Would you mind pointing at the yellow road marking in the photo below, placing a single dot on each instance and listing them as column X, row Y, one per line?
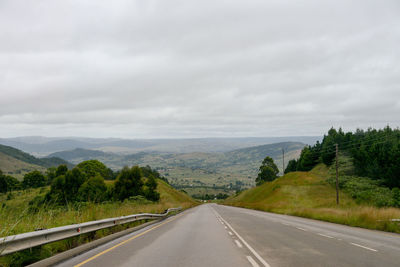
column 126, row 241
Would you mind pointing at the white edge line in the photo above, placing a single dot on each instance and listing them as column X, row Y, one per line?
column 238, row 243
column 354, row 244
column 325, row 235
column 252, row 261
column 244, row 242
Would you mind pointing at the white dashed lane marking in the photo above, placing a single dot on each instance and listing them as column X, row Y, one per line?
column 238, row 243
column 252, row 261
column 357, row 245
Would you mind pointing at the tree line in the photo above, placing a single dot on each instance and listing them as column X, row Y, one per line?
column 86, row 182
column 375, row 154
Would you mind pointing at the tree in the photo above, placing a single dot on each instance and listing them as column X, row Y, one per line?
column 129, row 183
column 73, row 180
column 51, row 173
column 12, row 183
column 94, row 190
column 150, row 189
column 306, row 160
column 34, row 179
column 3, row 183
column 61, row 170
column 94, row 167
column 292, row 166
column 64, row 188
column 268, row 171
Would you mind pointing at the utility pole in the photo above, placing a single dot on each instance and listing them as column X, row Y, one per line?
column 337, row 175
column 283, row 162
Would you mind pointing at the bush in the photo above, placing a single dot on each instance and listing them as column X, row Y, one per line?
column 92, row 168
column 34, row 179
column 129, row 183
column 93, row 190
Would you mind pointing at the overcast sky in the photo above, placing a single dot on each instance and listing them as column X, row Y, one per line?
column 144, row 69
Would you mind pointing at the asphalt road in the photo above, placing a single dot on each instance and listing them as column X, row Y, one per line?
column 214, row 235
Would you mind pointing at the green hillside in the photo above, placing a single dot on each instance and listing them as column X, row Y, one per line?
column 16, row 162
column 309, row 194
column 16, row 167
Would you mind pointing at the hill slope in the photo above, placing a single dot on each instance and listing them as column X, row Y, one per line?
column 308, row 194
column 16, row 162
column 15, row 167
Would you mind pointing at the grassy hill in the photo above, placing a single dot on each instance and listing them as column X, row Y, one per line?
column 16, row 167
column 16, row 162
column 309, row 194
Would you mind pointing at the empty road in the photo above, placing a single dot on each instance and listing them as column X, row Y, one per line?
column 215, row 235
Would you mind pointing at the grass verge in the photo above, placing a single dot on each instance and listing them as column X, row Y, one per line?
column 16, row 217
column 308, row 194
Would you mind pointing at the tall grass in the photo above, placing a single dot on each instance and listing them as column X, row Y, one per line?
column 16, row 217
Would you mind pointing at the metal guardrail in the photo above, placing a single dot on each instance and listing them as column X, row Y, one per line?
column 14, row 243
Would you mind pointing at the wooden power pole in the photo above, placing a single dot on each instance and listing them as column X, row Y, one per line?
column 337, row 175
column 283, row 162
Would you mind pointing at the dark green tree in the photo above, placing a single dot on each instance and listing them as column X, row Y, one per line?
column 306, row 161
column 292, row 166
column 34, row 179
column 150, row 189
column 268, row 171
column 61, row 170
column 12, row 183
column 91, row 168
column 3, row 183
column 93, row 190
column 129, row 183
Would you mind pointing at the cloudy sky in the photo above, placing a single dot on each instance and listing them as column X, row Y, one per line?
column 143, row 69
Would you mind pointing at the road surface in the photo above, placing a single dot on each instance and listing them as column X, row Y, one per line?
column 215, row 235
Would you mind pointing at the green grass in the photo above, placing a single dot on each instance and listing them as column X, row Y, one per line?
column 15, row 217
column 308, row 194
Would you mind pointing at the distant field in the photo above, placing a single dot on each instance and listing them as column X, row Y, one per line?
column 232, row 170
column 308, row 194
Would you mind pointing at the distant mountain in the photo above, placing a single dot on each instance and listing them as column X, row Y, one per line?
column 16, row 162
column 43, row 146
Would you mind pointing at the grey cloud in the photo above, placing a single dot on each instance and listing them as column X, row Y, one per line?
column 193, row 69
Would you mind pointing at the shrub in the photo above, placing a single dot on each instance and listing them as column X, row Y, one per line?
column 34, row 179
column 93, row 190
column 129, row 183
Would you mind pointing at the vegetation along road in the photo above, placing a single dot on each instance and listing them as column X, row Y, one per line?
column 215, row 235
